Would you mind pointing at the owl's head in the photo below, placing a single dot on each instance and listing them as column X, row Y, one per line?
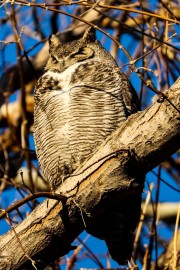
column 63, row 55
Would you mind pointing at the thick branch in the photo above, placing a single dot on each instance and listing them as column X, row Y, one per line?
column 116, row 169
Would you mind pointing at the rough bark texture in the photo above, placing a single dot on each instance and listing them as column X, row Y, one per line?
column 116, row 170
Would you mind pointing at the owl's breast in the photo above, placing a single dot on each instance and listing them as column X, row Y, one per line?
column 75, row 114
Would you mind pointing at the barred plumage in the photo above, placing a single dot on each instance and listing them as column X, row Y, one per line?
column 82, row 97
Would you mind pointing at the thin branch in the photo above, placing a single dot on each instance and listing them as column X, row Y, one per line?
column 93, row 256
column 175, row 255
column 143, row 213
column 106, row 6
column 24, row 135
column 19, row 241
column 50, row 195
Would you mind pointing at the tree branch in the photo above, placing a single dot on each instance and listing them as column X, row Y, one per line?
column 115, row 171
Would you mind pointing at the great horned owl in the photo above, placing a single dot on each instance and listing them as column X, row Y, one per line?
column 82, row 97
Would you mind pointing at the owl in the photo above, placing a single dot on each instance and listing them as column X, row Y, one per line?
column 80, row 100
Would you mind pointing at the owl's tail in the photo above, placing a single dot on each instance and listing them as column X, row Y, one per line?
column 116, row 226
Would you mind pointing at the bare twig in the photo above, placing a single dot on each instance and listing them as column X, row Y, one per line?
column 175, row 252
column 20, row 244
column 50, row 195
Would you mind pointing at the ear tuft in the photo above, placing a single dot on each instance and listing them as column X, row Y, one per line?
column 83, row 54
column 90, row 35
column 53, row 42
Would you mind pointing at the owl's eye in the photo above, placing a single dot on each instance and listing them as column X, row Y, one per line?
column 54, row 60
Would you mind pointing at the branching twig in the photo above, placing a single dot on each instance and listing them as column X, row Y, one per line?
column 50, row 195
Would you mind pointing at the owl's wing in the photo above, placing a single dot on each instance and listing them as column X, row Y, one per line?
column 129, row 95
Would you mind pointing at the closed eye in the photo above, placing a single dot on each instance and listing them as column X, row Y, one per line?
column 54, row 60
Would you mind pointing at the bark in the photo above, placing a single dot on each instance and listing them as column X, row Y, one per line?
column 116, row 170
